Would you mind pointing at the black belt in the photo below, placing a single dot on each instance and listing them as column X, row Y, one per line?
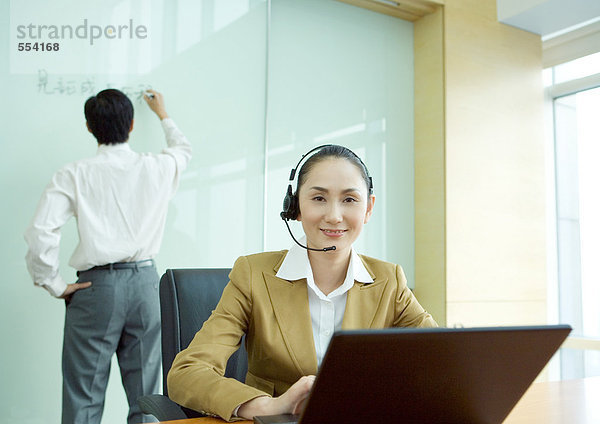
column 123, row 265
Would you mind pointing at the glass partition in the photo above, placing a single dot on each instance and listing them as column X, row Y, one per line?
column 252, row 83
column 209, row 60
column 342, row 75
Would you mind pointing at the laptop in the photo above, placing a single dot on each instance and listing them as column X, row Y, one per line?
column 438, row 375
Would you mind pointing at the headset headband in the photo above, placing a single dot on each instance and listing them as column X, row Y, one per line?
column 293, row 171
column 307, row 154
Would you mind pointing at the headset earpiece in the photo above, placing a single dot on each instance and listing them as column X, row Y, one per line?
column 290, row 205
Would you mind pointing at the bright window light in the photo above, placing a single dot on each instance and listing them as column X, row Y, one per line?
column 578, row 68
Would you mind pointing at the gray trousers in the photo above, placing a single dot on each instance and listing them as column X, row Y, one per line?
column 118, row 314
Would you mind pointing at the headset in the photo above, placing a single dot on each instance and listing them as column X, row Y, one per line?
column 291, row 206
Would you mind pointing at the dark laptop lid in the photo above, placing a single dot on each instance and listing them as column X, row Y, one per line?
column 441, row 375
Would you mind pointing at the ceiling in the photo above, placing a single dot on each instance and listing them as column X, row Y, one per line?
column 547, row 17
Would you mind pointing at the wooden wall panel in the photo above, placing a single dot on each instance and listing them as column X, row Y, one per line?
column 479, row 164
column 480, row 189
column 430, row 213
column 495, row 187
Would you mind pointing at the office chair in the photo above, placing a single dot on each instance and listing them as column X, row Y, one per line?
column 187, row 298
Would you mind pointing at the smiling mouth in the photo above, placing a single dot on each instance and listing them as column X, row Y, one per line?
column 333, row 233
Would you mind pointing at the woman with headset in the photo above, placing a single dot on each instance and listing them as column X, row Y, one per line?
column 289, row 303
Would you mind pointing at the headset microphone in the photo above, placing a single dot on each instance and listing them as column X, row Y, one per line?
column 326, row 249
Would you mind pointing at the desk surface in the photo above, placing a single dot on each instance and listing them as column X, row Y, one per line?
column 556, row 402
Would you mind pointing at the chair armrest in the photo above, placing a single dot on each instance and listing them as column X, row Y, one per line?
column 163, row 408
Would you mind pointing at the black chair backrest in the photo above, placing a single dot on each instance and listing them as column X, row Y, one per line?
column 187, row 298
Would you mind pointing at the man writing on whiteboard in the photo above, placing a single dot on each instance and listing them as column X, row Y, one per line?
column 119, row 199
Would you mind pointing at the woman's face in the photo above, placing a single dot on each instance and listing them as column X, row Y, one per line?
column 334, row 204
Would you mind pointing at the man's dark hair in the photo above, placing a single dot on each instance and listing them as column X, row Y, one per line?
column 109, row 115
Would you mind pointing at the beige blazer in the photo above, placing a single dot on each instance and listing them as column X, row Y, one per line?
column 275, row 316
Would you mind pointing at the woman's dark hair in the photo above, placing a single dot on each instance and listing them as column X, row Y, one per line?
column 109, row 115
column 338, row 152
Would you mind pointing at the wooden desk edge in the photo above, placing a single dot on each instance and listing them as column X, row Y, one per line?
column 556, row 402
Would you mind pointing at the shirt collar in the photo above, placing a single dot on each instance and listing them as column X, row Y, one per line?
column 296, row 266
column 108, row 148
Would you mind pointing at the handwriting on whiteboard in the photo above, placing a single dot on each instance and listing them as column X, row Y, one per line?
column 85, row 86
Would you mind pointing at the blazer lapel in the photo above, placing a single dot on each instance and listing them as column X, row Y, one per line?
column 363, row 302
column 290, row 303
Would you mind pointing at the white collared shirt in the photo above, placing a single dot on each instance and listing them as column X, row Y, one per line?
column 120, row 200
column 326, row 311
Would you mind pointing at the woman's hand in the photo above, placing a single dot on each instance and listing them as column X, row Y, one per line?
column 291, row 402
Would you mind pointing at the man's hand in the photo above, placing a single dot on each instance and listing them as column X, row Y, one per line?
column 72, row 288
column 291, row 402
column 156, row 103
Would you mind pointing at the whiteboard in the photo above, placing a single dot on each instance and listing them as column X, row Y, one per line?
column 251, row 93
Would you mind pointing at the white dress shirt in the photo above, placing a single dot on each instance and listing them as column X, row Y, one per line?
column 119, row 198
column 326, row 311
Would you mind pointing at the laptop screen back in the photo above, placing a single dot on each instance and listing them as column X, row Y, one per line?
column 466, row 375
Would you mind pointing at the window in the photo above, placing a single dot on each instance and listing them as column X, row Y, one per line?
column 576, row 109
